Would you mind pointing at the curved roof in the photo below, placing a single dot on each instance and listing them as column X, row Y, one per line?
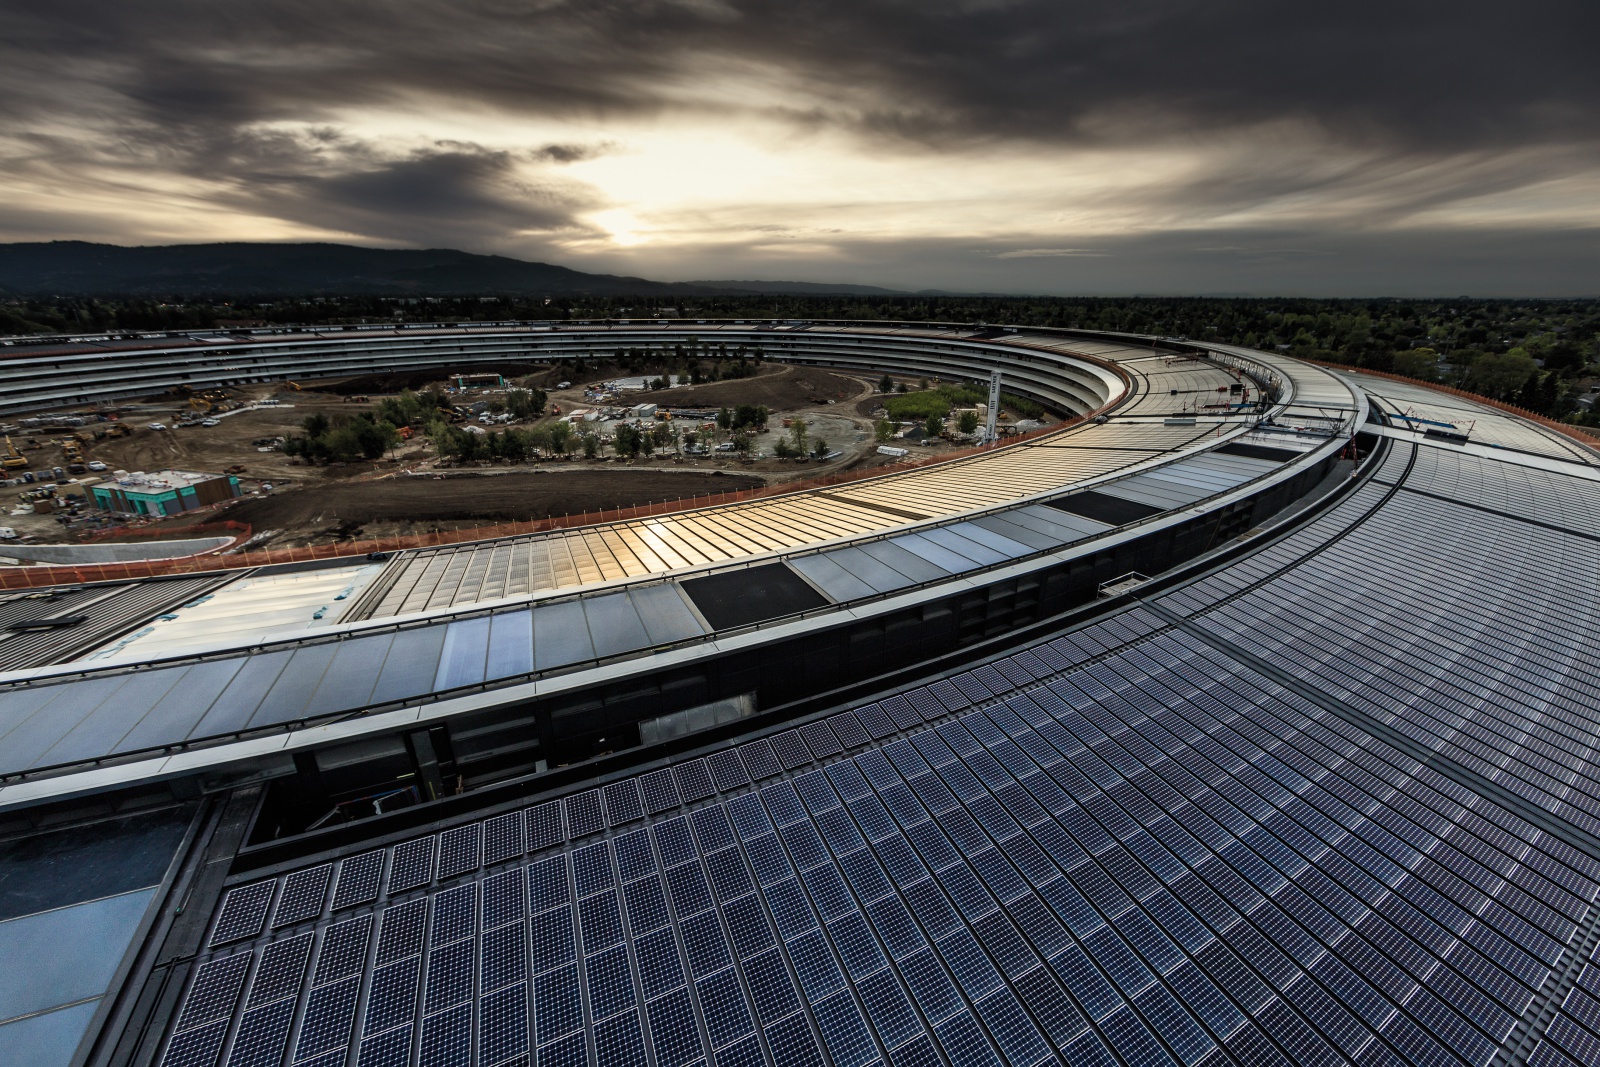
column 1333, row 797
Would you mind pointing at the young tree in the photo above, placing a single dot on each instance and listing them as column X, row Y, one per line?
column 934, row 426
column 526, row 403
column 625, row 441
column 797, row 430
column 882, row 430
column 741, row 442
column 968, row 423
column 561, row 437
column 819, row 449
column 886, row 384
column 591, row 444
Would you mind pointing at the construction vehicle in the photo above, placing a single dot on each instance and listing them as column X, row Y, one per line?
column 72, row 449
column 11, row 459
column 292, row 385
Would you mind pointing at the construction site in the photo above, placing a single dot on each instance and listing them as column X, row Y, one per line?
column 779, row 424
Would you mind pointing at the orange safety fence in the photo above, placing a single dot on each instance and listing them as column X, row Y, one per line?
column 36, row 577
column 232, row 557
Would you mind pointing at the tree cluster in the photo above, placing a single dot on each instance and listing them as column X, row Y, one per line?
column 511, row 445
column 753, row 416
column 344, row 438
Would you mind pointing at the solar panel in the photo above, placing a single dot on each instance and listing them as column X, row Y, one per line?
column 454, row 914
column 585, row 814
column 401, row 930
column 413, row 865
column 458, row 850
column 392, row 998
column 791, row 751
column 447, row 1038
column 214, row 991
column 449, row 976
column 545, row 828
column 359, row 879
column 660, row 794
column 760, row 760
column 558, row 1005
column 199, row 1047
column 244, row 912
column 503, row 1025
column 502, row 838
column 504, row 959
column 391, row 1049
column 820, row 740
column 330, row 1017
column 635, row 857
column 263, row 1035
column 303, row 896
column 591, row 869
column 726, row 770
column 623, row 805
column 610, row 982
column 694, row 781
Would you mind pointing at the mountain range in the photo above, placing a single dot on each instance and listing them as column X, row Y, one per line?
column 81, row 268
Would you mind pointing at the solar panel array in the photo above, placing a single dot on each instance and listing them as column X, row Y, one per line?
column 1573, row 1037
column 1128, row 844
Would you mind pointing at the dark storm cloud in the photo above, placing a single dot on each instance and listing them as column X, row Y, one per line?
column 1465, row 74
column 1375, row 111
column 453, row 194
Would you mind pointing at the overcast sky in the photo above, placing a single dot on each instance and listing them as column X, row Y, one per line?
column 1050, row 146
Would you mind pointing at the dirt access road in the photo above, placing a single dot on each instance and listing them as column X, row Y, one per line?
column 405, row 505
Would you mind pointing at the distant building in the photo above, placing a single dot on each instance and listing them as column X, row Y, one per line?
column 163, row 492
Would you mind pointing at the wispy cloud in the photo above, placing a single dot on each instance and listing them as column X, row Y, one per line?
column 1048, row 253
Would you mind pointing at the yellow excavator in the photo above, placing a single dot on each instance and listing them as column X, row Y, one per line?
column 11, row 459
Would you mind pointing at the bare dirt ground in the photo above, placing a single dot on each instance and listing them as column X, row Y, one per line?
column 778, row 388
column 410, row 505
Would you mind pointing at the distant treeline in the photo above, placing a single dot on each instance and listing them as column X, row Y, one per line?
column 1537, row 353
